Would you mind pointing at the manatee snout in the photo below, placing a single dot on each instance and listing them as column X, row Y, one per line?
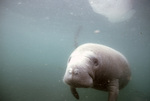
column 78, row 78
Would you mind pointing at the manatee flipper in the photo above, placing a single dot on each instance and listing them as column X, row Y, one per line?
column 113, row 90
column 74, row 92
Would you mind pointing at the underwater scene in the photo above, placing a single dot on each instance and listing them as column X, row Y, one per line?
column 38, row 36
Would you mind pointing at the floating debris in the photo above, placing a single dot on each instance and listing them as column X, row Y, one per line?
column 97, row 31
column 77, row 33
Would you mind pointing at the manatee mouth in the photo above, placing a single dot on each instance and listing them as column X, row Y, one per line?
column 78, row 84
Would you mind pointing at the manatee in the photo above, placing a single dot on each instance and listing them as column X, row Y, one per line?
column 97, row 66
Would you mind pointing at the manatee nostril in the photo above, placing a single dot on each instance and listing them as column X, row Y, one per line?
column 76, row 71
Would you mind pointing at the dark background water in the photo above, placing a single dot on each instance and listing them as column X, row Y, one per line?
column 37, row 37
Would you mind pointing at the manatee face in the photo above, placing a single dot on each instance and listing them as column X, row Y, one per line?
column 79, row 71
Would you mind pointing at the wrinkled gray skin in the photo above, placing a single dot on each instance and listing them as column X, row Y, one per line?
column 99, row 67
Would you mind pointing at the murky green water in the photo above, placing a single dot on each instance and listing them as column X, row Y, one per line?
column 37, row 37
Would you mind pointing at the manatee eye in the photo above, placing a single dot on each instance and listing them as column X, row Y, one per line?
column 69, row 59
column 95, row 61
